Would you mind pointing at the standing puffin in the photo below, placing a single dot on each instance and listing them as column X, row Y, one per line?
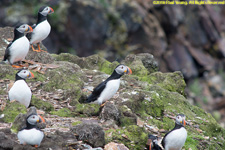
column 175, row 139
column 31, row 134
column 152, row 143
column 41, row 29
column 20, row 90
column 17, row 50
column 105, row 90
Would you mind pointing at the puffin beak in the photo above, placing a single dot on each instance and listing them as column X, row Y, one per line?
column 31, row 75
column 184, row 122
column 42, row 119
column 128, row 71
column 51, row 10
column 29, row 29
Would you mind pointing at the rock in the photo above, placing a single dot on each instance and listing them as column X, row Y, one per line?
column 7, row 72
column 110, row 114
column 141, row 64
column 6, row 143
column 93, row 134
column 115, row 146
column 41, row 57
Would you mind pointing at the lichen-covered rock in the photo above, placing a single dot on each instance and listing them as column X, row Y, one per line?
column 68, row 77
column 7, row 72
column 12, row 110
column 41, row 57
column 132, row 136
column 91, row 62
column 40, row 104
column 93, row 134
column 141, row 64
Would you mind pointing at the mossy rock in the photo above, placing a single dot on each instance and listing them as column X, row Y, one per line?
column 86, row 110
column 40, row 104
column 7, row 72
column 12, row 110
column 91, row 62
column 173, row 82
column 64, row 112
column 133, row 136
column 141, row 64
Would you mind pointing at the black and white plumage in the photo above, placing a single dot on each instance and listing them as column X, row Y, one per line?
column 42, row 29
column 17, row 50
column 152, row 143
column 175, row 139
column 105, row 90
column 20, row 90
column 31, row 134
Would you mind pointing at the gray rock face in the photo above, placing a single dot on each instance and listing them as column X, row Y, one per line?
column 92, row 133
column 5, row 142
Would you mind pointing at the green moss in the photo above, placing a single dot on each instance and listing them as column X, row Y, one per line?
column 86, row 110
column 132, row 136
column 64, row 112
column 191, row 143
column 76, row 123
column 40, row 104
column 12, row 110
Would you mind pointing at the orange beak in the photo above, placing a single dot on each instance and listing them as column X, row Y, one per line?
column 42, row 119
column 30, row 29
column 128, row 71
column 51, row 11
column 31, row 75
column 184, row 123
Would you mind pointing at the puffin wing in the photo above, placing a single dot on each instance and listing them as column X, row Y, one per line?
column 96, row 93
column 28, row 35
column 7, row 53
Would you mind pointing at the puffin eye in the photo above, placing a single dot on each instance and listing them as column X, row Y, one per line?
column 122, row 67
column 24, row 72
column 33, row 117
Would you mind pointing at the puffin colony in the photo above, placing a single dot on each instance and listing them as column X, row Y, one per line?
column 16, row 52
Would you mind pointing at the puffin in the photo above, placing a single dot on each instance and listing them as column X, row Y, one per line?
column 175, row 139
column 31, row 134
column 152, row 143
column 42, row 29
column 105, row 90
column 20, row 90
column 17, row 50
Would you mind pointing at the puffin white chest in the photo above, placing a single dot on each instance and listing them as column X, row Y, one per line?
column 19, row 49
column 175, row 140
column 30, row 136
column 40, row 32
column 111, row 88
column 20, row 92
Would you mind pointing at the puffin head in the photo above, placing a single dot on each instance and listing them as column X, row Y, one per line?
column 180, row 119
column 45, row 10
column 24, row 28
column 122, row 69
column 33, row 119
column 24, row 73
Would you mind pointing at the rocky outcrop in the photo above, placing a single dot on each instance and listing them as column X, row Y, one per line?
column 146, row 102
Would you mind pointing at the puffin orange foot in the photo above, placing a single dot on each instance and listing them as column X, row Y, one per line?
column 36, row 146
column 103, row 104
column 16, row 66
